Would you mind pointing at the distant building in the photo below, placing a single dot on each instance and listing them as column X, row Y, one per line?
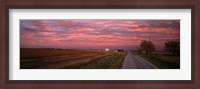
column 107, row 49
column 119, row 50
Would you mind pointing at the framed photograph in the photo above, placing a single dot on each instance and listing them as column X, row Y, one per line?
column 100, row 44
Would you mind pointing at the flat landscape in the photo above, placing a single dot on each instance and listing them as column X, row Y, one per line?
column 49, row 58
column 42, row 58
column 99, row 44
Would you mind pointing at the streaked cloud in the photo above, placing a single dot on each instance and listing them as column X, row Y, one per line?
column 96, row 34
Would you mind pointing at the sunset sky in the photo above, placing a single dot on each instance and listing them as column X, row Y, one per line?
column 96, row 34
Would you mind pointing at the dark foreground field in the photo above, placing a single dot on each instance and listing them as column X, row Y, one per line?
column 38, row 58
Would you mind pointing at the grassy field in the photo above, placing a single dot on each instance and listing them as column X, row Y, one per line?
column 41, row 58
column 113, row 61
column 163, row 60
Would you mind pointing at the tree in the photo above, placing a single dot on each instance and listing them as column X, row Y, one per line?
column 147, row 47
column 173, row 47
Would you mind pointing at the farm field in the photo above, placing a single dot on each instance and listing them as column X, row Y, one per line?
column 43, row 58
column 114, row 61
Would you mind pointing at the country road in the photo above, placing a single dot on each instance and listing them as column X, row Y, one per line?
column 133, row 61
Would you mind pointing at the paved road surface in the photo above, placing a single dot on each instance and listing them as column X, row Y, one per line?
column 135, row 62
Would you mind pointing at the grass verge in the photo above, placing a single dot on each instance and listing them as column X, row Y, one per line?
column 164, row 61
column 114, row 61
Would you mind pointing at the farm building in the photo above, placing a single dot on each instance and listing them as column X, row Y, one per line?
column 107, row 49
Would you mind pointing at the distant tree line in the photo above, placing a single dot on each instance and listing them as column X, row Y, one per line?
column 147, row 47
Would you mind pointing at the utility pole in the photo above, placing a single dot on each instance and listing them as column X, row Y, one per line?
column 149, row 47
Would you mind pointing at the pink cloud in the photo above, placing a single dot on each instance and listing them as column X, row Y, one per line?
column 96, row 33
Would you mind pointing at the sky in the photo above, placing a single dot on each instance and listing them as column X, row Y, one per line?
column 97, row 34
